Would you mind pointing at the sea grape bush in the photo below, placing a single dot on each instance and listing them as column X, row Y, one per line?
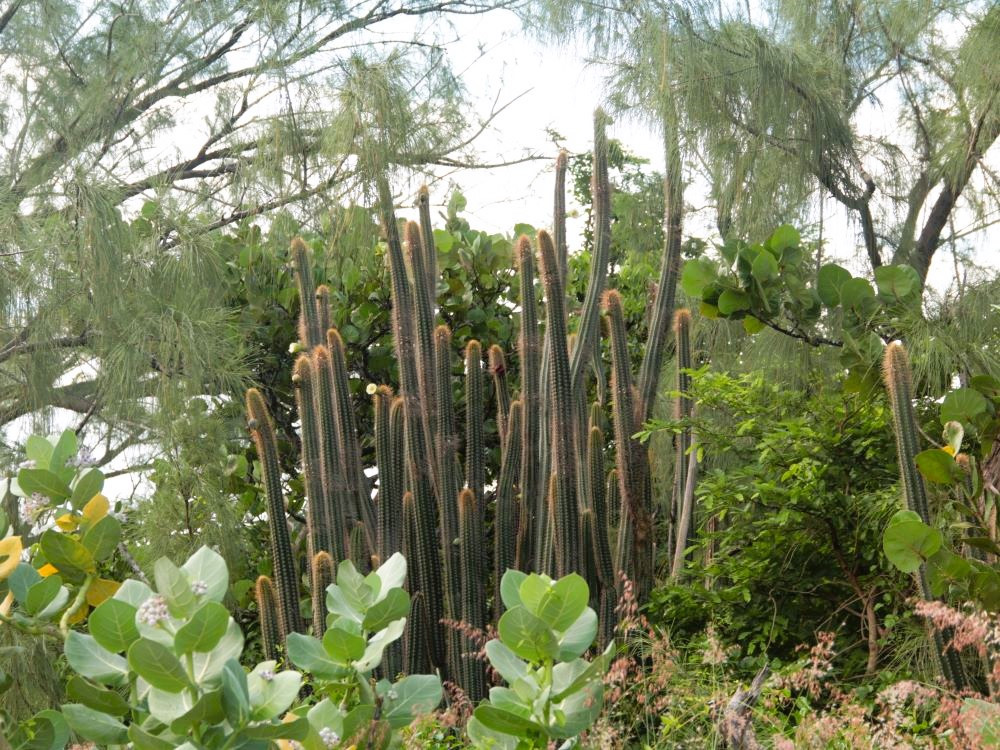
column 553, row 694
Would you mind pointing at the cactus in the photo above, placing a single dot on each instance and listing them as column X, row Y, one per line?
column 472, row 595
column 553, row 507
column 285, row 569
column 498, row 370
column 631, row 462
column 310, row 333
column 267, row 608
column 321, row 575
column 566, row 532
column 506, row 534
column 533, row 510
column 898, row 382
column 317, row 518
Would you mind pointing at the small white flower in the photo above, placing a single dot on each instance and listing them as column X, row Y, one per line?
column 153, row 611
column 392, row 694
column 32, row 506
column 370, row 389
column 83, row 459
column 199, row 588
column 294, row 348
column 329, row 737
column 266, row 675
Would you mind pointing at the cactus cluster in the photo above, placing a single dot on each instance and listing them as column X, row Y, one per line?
column 551, row 507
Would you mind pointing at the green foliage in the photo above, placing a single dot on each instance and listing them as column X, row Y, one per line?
column 552, row 693
column 801, row 484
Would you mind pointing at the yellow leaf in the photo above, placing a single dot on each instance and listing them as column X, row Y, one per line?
column 48, row 569
column 10, row 555
column 949, row 450
column 80, row 615
column 96, row 509
column 100, row 590
column 67, row 522
column 7, row 603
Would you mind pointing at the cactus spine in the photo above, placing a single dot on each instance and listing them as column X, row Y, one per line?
column 267, row 607
column 285, row 570
column 898, row 382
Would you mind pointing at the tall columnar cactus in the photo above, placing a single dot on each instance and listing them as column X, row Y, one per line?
column 566, row 533
column 505, row 525
column 318, row 522
column 632, row 465
column 267, row 609
column 286, row 575
column 473, row 598
column 533, row 509
column 475, row 397
column 323, row 307
column 389, row 460
column 336, row 495
column 599, row 543
column 899, row 384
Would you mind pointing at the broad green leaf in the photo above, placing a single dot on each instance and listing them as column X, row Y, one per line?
column 829, row 281
column 42, row 593
column 157, row 665
column 102, row 538
column 594, row 671
column 87, row 657
column 937, row 466
column 896, row 282
column 167, row 706
column 343, row 646
column 505, row 661
column 378, row 643
column 485, row 737
column 297, row 730
column 90, row 483
column 503, row 721
column 394, row 605
column 65, row 447
column 783, row 237
column 945, row 569
column 235, row 692
column 143, row 740
column 204, row 630
column 208, row 666
column 908, row 541
column 133, row 592
column 44, row 482
column 510, row 587
column 411, row 696
column 68, row 556
column 207, row 710
column 732, row 301
column 526, row 635
column 764, row 267
column 39, row 450
column 173, row 586
column 963, row 405
column 308, row 654
column 93, row 725
column 271, row 694
column 21, row 580
column 113, row 625
column 696, row 275
column 579, row 637
column 392, row 573
column 96, row 697
column 857, row 294
column 565, row 603
column 208, row 567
